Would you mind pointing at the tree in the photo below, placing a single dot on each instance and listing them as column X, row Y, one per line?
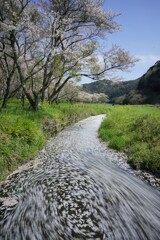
column 49, row 42
column 77, row 34
column 17, row 43
column 69, row 92
column 7, row 65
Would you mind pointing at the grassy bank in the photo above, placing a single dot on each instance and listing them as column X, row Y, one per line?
column 135, row 129
column 24, row 132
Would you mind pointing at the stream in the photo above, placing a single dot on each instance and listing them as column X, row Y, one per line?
column 75, row 191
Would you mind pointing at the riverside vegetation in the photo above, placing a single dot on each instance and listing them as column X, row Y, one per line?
column 134, row 129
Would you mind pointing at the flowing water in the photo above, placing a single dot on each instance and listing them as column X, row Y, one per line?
column 78, row 193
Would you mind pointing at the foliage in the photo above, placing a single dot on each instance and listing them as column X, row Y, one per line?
column 135, row 129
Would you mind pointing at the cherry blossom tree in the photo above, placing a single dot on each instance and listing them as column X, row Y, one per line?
column 76, row 41
column 50, row 42
column 18, row 41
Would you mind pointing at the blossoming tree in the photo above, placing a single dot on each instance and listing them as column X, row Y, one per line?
column 46, row 43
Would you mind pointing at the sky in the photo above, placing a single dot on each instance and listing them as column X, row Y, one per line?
column 140, row 32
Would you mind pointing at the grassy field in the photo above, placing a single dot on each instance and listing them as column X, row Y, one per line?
column 24, row 132
column 135, row 129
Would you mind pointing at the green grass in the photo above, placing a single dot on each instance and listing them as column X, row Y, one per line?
column 24, row 132
column 135, row 129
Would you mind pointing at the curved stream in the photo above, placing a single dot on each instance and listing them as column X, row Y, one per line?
column 78, row 193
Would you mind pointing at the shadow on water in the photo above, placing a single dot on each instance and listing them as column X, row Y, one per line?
column 78, row 193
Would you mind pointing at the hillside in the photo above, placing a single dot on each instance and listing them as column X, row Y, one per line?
column 144, row 90
column 112, row 89
column 151, row 79
column 148, row 89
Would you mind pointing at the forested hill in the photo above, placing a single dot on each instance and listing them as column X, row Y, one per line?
column 148, row 90
column 112, row 89
column 151, row 79
column 144, row 90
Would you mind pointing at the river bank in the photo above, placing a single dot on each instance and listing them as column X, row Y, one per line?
column 121, row 159
column 135, row 130
column 23, row 133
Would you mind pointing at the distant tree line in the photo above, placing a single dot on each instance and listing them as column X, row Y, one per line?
column 111, row 88
column 73, row 93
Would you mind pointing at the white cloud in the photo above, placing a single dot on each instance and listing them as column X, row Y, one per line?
column 150, row 59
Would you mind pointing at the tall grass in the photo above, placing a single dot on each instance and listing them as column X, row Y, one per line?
column 24, row 132
column 135, row 129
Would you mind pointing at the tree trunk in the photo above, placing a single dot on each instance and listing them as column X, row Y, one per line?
column 6, row 95
column 33, row 102
column 5, row 100
column 23, row 98
column 57, row 89
column 36, row 101
column 43, row 95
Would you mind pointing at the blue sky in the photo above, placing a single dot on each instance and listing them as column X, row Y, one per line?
column 140, row 35
column 140, row 32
